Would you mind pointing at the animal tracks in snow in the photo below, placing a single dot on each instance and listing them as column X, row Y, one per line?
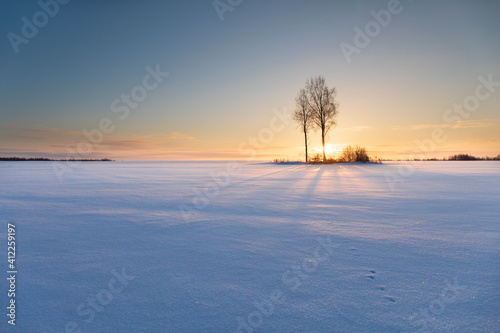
column 372, row 275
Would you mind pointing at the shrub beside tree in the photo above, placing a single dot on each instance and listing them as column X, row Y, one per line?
column 354, row 154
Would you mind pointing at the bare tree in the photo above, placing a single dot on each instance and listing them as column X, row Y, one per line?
column 302, row 115
column 323, row 105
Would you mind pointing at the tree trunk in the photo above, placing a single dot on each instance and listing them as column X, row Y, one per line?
column 305, row 140
column 323, row 142
column 306, row 146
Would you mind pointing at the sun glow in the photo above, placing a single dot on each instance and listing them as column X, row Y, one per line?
column 329, row 149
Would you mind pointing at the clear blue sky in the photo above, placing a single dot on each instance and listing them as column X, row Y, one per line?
column 226, row 77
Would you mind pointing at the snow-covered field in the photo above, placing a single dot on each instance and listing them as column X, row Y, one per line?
column 253, row 247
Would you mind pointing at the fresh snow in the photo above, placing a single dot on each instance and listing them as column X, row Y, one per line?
column 258, row 247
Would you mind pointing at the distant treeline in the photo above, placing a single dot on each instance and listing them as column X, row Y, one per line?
column 467, row 157
column 50, row 159
column 458, row 157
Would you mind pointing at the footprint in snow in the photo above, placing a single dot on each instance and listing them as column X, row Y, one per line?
column 354, row 251
column 372, row 277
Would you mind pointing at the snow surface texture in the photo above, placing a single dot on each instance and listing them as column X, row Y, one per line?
column 272, row 248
